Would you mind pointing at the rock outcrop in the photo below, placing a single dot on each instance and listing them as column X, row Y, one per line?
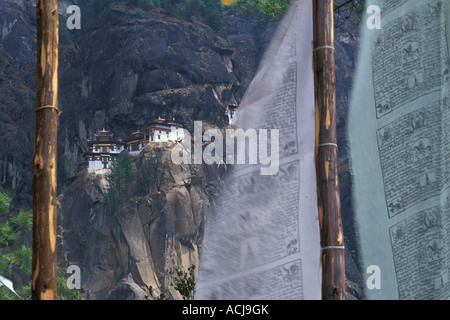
column 120, row 253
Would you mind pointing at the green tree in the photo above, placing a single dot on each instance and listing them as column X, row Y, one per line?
column 139, row 12
column 64, row 293
column 120, row 179
column 272, row 10
column 264, row 10
column 162, row 295
column 5, row 202
column 182, row 281
column 15, row 258
column 150, row 3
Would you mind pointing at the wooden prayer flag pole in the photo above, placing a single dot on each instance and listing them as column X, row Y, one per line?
column 43, row 284
column 331, row 235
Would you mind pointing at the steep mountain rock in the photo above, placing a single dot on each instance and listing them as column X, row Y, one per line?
column 127, row 71
column 17, row 93
column 119, row 253
column 119, row 72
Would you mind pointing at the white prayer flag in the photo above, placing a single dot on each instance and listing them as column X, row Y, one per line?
column 399, row 123
column 8, row 284
column 262, row 238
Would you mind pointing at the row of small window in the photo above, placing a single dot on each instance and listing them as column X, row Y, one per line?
column 105, row 149
column 133, row 147
column 98, row 158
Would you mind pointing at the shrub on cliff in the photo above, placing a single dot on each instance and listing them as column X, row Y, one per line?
column 15, row 257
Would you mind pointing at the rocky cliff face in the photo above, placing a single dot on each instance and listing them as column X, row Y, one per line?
column 17, row 93
column 132, row 70
column 118, row 71
column 119, row 253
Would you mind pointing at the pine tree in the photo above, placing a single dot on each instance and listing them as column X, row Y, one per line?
column 15, row 256
column 273, row 10
column 120, row 179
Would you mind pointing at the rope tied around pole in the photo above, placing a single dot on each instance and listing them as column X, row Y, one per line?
column 323, row 47
column 49, row 107
column 332, row 248
column 328, row 145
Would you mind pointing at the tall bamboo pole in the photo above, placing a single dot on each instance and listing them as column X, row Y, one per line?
column 43, row 285
column 331, row 238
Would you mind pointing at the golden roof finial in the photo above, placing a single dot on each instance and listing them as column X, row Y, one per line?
column 104, row 131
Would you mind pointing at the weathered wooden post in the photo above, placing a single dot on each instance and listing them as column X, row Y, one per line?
column 43, row 284
column 332, row 238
